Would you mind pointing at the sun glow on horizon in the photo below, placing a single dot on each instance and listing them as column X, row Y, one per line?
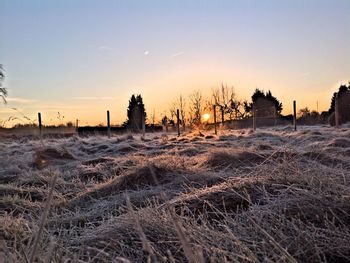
column 206, row 117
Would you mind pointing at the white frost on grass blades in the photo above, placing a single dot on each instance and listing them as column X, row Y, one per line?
column 293, row 185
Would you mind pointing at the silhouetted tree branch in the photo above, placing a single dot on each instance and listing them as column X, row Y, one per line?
column 3, row 90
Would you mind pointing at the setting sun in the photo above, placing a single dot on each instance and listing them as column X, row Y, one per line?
column 206, row 116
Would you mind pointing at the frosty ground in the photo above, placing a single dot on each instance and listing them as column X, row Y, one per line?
column 273, row 195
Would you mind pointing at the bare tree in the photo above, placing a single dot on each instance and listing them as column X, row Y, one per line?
column 304, row 112
column 196, row 107
column 153, row 117
column 172, row 111
column 236, row 108
column 227, row 101
column 181, row 105
column 216, row 97
column 3, row 90
column 223, row 95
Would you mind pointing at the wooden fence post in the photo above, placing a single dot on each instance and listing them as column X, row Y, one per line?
column 178, row 122
column 143, row 124
column 108, row 125
column 295, row 115
column 40, row 126
column 216, row 132
column 275, row 117
column 254, row 118
column 222, row 116
column 77, row 126
column 336, row 111
column 183, row 124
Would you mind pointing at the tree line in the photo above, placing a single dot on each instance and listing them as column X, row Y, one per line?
column 229, row 107
column 191, row 109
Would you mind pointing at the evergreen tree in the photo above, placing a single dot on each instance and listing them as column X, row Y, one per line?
column 275, row 101
column 259, row 94
column 131, row 112
column 140, row 105
column 135, row 111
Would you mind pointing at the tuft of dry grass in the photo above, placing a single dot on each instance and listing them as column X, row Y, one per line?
column 48, row 156
column 37, row 235
column 220, row 159
column 340, row 142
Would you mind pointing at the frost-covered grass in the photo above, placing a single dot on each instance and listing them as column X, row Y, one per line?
column 270, row 196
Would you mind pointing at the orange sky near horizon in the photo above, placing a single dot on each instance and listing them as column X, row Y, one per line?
column 158, row 96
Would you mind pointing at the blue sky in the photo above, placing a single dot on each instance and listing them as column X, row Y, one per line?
column 83, row 57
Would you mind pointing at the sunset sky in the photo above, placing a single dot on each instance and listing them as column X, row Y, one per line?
column 83, row 57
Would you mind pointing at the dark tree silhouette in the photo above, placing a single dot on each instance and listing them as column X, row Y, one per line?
column 275, row 101
column 140, row 104
column 343, row 96
column 165, row 120
column 135, row 112
column 131, row 108
column 258, row 97
column 342, row 89
column 3, row 90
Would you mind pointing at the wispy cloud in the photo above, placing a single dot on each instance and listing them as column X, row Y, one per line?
column 6, row 111
column 104, row 48
column 19, row 100
column 176, row 54
column 57, row 107
column 93, row 98
column 304, row 75
column 146, row 52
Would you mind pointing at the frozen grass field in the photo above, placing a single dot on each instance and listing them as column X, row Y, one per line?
column 270, row 196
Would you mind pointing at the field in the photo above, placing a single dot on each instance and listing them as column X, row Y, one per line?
column 273, row 195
